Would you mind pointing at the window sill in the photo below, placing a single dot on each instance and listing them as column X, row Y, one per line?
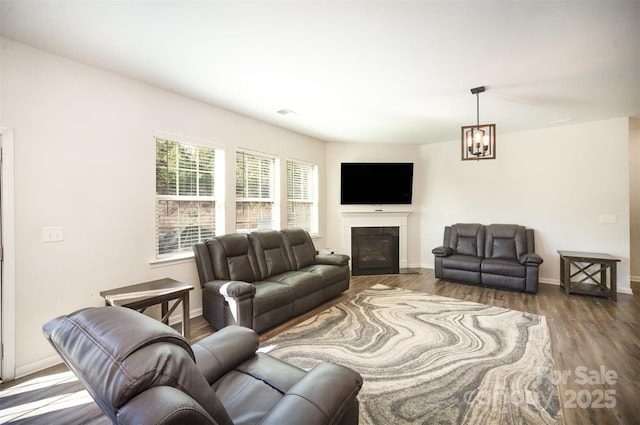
column 185, row 257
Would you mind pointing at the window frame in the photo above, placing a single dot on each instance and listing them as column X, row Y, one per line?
column 218, row 176
column 274, row 198
column 312, row 191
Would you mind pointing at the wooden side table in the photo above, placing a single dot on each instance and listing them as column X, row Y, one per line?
column 592, row 280
column 143, row 295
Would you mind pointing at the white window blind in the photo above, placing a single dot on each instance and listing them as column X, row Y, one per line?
column 185, row 196
column 301, row 202
column 255, row 191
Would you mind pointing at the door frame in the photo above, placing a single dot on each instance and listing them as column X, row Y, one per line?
column 8, row 278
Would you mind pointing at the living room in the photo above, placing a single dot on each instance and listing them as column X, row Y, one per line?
column 80, row 141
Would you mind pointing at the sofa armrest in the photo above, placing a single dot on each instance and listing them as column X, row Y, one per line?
column 332, row 259
column 166, row 405
column 530, row 259
column 235, row 289
column 442, row 251
column 222, row 351
column 321, row 397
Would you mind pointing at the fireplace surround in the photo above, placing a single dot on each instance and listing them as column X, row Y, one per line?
column 397, row 219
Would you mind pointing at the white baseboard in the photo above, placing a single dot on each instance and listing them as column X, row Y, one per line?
column 37, row 366
column 177, row 317
column 549, row 281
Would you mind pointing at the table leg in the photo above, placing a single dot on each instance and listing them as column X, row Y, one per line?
column 186, row 329
column 614, row 282
column 565, row 267
column 164, row 311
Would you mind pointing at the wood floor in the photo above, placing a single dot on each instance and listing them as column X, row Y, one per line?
column 595, row 345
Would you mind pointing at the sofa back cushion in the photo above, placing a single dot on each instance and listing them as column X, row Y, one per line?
column 233, row 258
column 118, row 353
column 299, row 246
column 270, row 253
column 505, row 241
column 467, row 239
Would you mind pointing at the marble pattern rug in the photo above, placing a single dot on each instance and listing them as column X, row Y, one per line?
column 427, row 359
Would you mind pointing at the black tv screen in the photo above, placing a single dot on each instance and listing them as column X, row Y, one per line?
column 376, row 183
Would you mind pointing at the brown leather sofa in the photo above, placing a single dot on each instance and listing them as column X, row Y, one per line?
column 140, row 371
column 496, row 255
column 264, row 278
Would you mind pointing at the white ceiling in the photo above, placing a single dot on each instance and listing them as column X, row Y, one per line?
column 361, row 71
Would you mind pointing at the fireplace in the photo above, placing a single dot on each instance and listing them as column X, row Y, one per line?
column 375, row 250
column 399, row 219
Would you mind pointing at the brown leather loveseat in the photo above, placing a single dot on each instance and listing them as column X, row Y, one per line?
column 264, row 278
column 141, row 371
column 496, row 255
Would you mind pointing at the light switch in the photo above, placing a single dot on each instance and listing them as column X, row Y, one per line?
column 52, row 234
column 608, row 218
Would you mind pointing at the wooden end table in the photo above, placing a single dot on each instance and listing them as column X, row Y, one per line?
column 593, row 280
column 143, row 295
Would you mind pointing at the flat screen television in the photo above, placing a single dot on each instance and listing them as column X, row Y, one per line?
column 376, row 183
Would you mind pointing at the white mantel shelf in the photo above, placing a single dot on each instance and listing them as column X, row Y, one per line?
column 377, row 219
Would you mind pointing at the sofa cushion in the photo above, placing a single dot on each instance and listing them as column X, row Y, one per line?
column 299, row 246
column 263, row 380
column 504, row 248
column 233, row 258
column 467, row 246
column 503, row 267
column 506, row 241
column 462, row 262
column 270, row 253
column 271, row 295
column 302, row 283
column 330, row 274
column 467, row 239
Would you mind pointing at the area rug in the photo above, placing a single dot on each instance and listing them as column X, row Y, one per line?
column 427, row 359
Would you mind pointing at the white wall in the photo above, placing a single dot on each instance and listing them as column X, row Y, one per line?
column 634, row 195
column 336, row 153
column 557, row 181
column 85, row 160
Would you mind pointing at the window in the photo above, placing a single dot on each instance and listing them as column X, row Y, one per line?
column 255, row 191
column 185, row 195
column 302, row 209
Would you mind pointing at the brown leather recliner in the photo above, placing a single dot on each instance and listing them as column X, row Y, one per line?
column 140, row 371
column 264, row 278
column 497, row 255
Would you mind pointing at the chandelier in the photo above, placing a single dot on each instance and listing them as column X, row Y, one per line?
column 478, row 141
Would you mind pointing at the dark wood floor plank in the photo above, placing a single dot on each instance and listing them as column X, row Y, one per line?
column 587, row 333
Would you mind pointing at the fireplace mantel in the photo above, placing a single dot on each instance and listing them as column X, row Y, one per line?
column 377, row 219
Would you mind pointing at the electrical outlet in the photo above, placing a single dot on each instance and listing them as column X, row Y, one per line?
column 52, row 234
column 608, row 218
